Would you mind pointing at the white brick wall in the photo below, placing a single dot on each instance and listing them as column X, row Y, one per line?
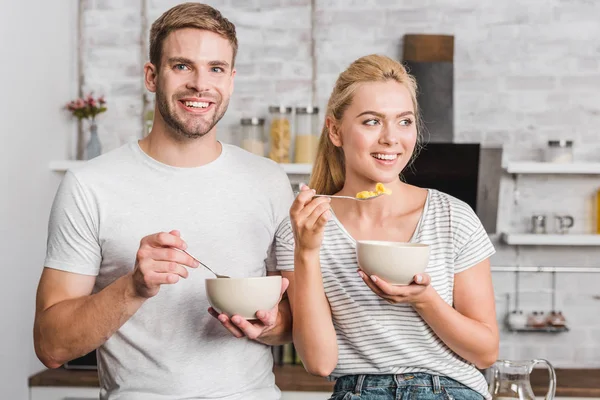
column 525, row 72
column 113, row 66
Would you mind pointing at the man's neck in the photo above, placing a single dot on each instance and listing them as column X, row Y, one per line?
column 185, row 153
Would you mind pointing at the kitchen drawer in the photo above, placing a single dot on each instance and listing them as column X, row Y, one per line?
column 63, row 393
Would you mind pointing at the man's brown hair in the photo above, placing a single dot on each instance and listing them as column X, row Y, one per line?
column 189, row 15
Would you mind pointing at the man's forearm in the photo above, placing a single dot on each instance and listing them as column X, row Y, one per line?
column 72, row 328
column 282, row 332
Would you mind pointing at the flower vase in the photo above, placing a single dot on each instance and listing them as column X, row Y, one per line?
column 93, row 148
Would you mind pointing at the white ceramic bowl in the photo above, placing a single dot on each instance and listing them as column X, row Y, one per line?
column 243, row 296
column 394, row 262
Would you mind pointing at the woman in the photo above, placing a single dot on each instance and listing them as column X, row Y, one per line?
column 380, row 341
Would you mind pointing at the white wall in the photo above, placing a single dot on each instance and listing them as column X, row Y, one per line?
column 37, row 72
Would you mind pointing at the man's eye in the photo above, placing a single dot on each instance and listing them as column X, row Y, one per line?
column 181, row 67
column 217, row 69
column 406, row 122
column 371, row 122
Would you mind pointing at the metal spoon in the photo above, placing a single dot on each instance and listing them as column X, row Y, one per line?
column 205, row 266
column 346, row 197
column 349, row 197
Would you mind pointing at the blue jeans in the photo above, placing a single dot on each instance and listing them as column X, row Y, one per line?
column 401, row 387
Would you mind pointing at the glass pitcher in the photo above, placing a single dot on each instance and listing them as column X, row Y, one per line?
column 510, row 380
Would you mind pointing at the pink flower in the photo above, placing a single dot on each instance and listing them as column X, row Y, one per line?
column 87, row 106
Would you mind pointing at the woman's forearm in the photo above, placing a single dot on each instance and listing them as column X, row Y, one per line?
column 313, row 331
column 473, row 340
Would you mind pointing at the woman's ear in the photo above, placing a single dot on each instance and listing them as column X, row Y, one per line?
column 334, row 132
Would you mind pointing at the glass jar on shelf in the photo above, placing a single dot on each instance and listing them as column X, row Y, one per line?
column 307, row 135
column 253, row 135
column 598, row 211
column 280, row 134
column 559, row 151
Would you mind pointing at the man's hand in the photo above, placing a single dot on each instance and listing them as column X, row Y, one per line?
column 257, row 330
column 160, row 262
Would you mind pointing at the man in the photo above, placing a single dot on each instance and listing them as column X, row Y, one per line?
column 143, row 303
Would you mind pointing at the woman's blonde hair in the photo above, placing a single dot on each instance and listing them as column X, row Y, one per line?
column 328, row 174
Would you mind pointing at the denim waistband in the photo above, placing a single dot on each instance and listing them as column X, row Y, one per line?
column 356, row 383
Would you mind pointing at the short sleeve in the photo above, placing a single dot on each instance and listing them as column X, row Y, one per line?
column 284, row 246
column 472, row 244
column 281, row 201
column 72, row 243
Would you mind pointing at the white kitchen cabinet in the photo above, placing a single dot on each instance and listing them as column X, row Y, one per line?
column 63, row 393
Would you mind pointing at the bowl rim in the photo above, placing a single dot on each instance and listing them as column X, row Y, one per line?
column 393, row 244
column 249, row 278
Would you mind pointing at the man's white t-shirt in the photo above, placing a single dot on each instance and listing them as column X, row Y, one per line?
column 227, row 212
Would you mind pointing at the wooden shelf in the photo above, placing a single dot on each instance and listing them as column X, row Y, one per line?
column 532, row 167
column 290, row 169
column 287, row 378
column 544, row 329
column 528, row 239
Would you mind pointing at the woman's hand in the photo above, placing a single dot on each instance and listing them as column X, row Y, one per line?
column 309, row 215
column 418, row 292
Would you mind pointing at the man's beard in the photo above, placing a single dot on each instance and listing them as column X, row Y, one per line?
column 179, row 127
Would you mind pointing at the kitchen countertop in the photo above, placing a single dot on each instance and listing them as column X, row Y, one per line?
column 571, row 382
column 288, row 378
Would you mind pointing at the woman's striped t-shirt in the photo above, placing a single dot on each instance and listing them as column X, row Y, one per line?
column 375, row 337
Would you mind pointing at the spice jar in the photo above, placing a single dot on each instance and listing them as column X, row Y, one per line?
column 307, row 135
column 559, row 151
column 598, row 211
column 538, row 224
column 253, row 137
column 517, row 320
column 536, row 319
column 556, row 319
column 280, row 134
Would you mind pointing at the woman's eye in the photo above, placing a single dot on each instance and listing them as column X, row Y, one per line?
column 371, row 122
column 406, row 122
column 181, row 67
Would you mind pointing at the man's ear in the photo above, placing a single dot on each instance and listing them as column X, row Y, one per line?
column 233, row 72
column 150, row 76
column 334, row 132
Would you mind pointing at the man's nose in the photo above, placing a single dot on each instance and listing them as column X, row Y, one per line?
column 198, row 81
